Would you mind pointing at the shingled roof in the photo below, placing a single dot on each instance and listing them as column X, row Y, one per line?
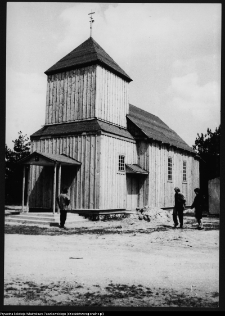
column 73, row 128
column 150, row 125
column 89, row 52
column 48, row 159
column 154, row 128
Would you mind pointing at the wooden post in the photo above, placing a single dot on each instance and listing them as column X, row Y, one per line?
column 59, row 182
column 23, row 189
column 28, row 188
column 54, row 188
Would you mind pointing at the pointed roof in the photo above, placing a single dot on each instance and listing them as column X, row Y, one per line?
column 89, row 52
column 43, row 159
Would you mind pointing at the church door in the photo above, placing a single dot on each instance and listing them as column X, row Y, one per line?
column 132, row 191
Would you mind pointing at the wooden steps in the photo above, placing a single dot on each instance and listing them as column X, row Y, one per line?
column 42, row 218
column 14, row 214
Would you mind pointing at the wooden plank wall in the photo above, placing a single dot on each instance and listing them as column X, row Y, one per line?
column 112, row 102
column 161, row 191
column 98, row 184
column 143, row 161
column 84, row 186
column 113, row 190
column 71, row 95
column 86, row 93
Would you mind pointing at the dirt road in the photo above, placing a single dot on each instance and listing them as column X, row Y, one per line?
column 126, row 263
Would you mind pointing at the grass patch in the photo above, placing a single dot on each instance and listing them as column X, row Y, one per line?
column 112, row 295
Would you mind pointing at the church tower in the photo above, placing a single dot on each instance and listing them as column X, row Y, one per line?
column 86, row 84
column 85, row 119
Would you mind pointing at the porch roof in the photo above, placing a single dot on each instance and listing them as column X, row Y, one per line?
column 44, row 159
column 135, row 169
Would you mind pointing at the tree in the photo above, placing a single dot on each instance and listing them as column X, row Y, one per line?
column 14, row 171
column 207, row 146
column 21, row 146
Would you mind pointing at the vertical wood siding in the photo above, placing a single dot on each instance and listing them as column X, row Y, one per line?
column 112, row 102
column 161, row 191
column 99, row 184
column 143, row 161
column 71, row 95
column 83, row 182
column 113, row 183
column 86, row 93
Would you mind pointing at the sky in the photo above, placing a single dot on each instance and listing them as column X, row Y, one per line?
column 171, row 51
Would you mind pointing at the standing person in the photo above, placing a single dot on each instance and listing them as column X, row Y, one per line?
column 178, row 207
column 198, row 205
column 63, row 201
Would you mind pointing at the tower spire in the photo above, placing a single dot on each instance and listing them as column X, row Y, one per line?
column 91, row 21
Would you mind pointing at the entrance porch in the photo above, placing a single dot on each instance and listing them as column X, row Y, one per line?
column 56, row 162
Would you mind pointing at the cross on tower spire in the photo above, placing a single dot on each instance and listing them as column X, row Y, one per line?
column 91, row 21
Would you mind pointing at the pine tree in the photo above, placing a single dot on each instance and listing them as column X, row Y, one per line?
column 14, row 171
column 208, row 148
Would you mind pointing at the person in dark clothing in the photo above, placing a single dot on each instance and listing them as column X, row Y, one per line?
column 63, row 201
column 198, row 205
column 178, row 207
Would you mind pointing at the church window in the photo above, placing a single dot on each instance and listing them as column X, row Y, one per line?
column 170, row 169
column 121, row 163
column 184, row 171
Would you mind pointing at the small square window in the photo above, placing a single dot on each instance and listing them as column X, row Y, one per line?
column 121, row 163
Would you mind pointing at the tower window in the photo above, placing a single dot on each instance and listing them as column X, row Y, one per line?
column 121, row 163
column 170, row 169
column 184, row 171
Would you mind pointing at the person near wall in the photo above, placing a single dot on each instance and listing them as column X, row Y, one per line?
column 178, row 207
column 198, row 205
column 63, row 201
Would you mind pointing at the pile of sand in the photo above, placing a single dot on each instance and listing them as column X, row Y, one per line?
column 152, row 214
column 142, row 218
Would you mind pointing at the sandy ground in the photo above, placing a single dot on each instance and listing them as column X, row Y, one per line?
column 122, row 263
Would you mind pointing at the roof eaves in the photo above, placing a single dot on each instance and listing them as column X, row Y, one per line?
column 51, row 158
column 69, row 67
column 78, row 65
column 70, row 129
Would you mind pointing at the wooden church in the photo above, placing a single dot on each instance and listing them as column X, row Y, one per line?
column 110, row 154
